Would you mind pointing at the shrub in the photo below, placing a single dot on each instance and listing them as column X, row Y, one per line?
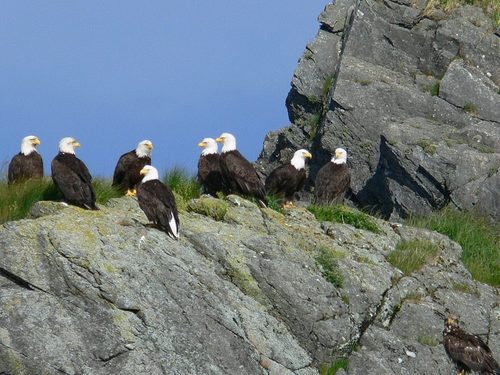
column 346, row 215
column 274, row 203
column 338, row 364
column 478, row 237
column 412, row 255
column 104, row 191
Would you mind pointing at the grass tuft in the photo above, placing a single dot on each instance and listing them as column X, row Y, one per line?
column 346, row 215
column 435, row 89
column 490, row 7
column 410, row 256
column 182, row 183
column 479, row 238
column 327, row 259
column 274, row 203
column 104, row 191
column 470, row 108
column 338, row 364
column 212, row 207
column 428, row 340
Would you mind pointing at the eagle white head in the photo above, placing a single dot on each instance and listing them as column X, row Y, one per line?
column 340, row 156
column 228, row 142
column 68, row 144
column 150, row 173
column 28, row 144
column 209, row 146
column 299, row 158
column 144, row 148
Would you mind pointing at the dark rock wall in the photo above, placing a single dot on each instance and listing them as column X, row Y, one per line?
column 412, row 94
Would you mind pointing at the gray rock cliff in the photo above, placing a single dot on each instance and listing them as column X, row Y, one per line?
column 412, row 94
column 90, row 293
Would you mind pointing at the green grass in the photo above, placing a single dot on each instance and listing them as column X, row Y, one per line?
column 16, row 200
column 327, row 259
column 412, row 255
column 212, row 207
column 479, row 238
column 183, row 183
column 470, row 108
column 274, row 203
column 428, row 340
column 346, row 215
column 434, row 90
column 427, row 146
column 490, row 7
column 338, row 364
column 104, row 191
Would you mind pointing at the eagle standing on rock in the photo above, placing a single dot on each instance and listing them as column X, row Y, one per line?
column 333, row 179
column 72, row 177
column 468, row 351
column 209, row 172
column 28, row 163
column 239, row 174
column 287, row 179
column 126, row 175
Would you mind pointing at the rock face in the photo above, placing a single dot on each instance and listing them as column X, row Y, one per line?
column 86, row 292
column 412, row 94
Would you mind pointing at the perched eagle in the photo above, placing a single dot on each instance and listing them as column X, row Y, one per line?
column 209, row 173
column 127, row 175
column 28, row 163
column 286, row 180
column 158, row 202
column 333, row 179
column 468, row 351
column 72, row 176
column 238, row 173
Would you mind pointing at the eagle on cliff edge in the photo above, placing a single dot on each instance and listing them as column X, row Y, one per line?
column 468, row 351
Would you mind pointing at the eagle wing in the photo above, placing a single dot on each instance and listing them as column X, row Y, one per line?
column 240, row 171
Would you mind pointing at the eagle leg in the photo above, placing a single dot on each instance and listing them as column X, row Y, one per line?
column 288, row 204
column 131, row 193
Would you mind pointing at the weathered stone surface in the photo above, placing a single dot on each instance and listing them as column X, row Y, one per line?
column 379, row 65
column 98, row 292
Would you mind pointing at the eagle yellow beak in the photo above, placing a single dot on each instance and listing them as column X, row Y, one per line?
column 202, row 144
column 36, row 141
column 308, row 155
column 143, row 171
column 75, row 144
column 220, row 139
column 150, row 146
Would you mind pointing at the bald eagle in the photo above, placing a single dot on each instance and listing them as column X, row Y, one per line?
column 468, row 351
column 238, row 173
column 158, row 202
column 333, row 179
column 209, row 172
column 72, row 176
column 127, row 169
column 287, row 179
column 28, row 163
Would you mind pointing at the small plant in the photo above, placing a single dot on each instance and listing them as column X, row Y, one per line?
column 315, row 122
column 412, row 255
column 470, row 108
column 183, row 183
column 466, row 288
column 363, row 82
column 104, row 191
column 214, row 208
column 343, row 214
column 427, row 146
column 274, row 203
column 490, row 7
column 327, row 259
column 428, row 340
column 338, row 364
column 327, row 85
column 478, row 237
column 434, row 90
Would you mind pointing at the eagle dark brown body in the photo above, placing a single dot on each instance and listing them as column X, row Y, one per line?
column 469, row 352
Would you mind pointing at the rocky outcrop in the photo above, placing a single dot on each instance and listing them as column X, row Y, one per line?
column 98, row 292
column 413, row 94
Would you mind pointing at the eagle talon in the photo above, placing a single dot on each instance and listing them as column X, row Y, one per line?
column 131, row 193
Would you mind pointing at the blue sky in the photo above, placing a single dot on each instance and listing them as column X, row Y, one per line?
column 112, row 73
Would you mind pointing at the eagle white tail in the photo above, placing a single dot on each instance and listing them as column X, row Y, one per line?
column 173, row 227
